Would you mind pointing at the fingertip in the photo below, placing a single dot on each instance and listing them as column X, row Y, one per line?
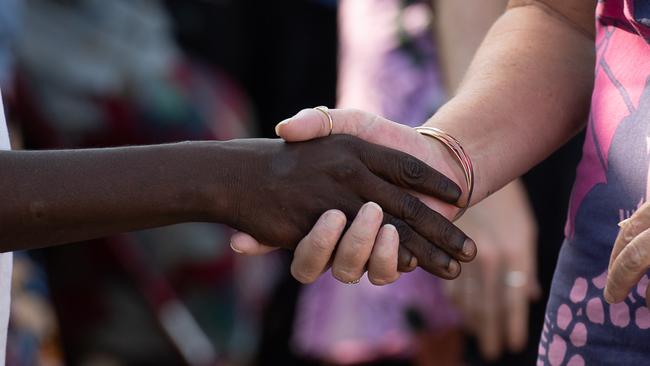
column 406, row 261
column 391, row 234
column 280, row 126
column 609, row 298
column 453, row 269
column 469, row 249
column 245, row 244
column 235, row 248
column 334, row 219
column 453, row 193
column 290, row 130
column 372, row 211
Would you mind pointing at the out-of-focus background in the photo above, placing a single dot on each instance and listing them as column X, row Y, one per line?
column 94, row 73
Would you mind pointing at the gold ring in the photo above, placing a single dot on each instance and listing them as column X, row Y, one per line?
column 326, row 112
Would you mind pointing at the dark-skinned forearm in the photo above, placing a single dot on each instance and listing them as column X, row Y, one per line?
column 55, row 197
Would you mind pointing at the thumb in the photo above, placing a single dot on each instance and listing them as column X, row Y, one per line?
column 313, row 123
column 245, row 244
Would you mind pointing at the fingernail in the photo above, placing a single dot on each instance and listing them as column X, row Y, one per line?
column 622, row 223
column 453, row 267
column 232, row 246
column 391, row 228
column 608, row 297
column 413, row 263
column 373, row 209
column 469, row 248
column 334, row 219
column 283, row 123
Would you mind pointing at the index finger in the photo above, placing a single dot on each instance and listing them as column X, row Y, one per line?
column 630, row 228
column 408, row 171
column 628, row 268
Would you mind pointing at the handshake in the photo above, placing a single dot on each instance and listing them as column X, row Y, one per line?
column 342, row 182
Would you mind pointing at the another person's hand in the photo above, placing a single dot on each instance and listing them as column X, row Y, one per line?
column 630, row 259
column 495, row 291
column 284, row 188
column 310, row 124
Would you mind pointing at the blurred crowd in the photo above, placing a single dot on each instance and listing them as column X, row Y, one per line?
column 93, row 73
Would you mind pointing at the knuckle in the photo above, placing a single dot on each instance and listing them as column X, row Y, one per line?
column 630, row 231
column 635, row 258
column 412, row 169
column 357, row 239
column 345, row 171
column 447, row 234
column 432, row 255
column 405, row 234
column 304, row 277
column 319, row 243
column 412, row 210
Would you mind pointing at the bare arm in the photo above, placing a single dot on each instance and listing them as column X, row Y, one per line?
column 55, row 197
column 460, row 27
column 274, row 190
column 527, row 90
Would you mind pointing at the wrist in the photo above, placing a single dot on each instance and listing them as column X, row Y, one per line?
column 452, row 161
column 211, row 185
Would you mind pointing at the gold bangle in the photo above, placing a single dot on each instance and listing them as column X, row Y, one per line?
column 458, row 152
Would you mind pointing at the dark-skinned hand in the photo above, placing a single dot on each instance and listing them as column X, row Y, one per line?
column 282, row 189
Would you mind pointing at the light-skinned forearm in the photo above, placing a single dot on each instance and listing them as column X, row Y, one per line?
column 457, row 42
column 526, row 93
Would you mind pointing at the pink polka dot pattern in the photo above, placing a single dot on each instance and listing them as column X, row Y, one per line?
column 566, row 330
column 579, row 335
column 576, row 360
column 619, row 314
column 642, row 318
column 556, row 351
column 579, row 290
column 600, row 281
column 595, row 311
column 564, row 316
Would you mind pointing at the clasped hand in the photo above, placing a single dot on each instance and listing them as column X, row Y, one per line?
column 386, row 164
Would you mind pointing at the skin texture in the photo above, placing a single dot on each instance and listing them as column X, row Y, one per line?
column 630, row 258
column 527, row 92
column 267, row 187
column 503, row 225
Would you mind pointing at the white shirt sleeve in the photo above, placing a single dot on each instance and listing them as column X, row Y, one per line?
column 6, row 259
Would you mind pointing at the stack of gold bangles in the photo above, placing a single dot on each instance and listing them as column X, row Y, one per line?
column 459, row 153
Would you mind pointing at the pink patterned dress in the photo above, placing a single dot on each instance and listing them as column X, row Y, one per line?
column 612, row 182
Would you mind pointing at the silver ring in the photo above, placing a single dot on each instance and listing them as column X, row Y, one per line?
column 515, row 279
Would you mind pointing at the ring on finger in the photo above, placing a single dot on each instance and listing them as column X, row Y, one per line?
column 515, row 279
column 353, row 282
column 327, row 114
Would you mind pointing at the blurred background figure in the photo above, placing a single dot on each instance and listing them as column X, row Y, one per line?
column 92, row 73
